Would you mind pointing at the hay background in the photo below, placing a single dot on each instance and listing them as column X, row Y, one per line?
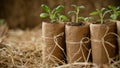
column 22, row 49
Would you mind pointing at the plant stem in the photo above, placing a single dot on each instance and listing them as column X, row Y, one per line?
column 77, row 13
column 101, row 18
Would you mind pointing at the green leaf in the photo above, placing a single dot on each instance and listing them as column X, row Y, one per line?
column 112, row 7
column 72, row 12
column 46, row 8
column 113, row 16
column 88, row 18
column 63, row 18
column 94, row 13
column 81, row 18
column 117, row 8
column 59, row 8
column 115, row 12
column 44, row 15
column 109, row 6
column 81, row 7
column 52, row 17
column 118, row 12
column 108, row 11
column 103, row 9
column 73, row 5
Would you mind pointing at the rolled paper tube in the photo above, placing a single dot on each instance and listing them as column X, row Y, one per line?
column 103, row 44
column 76, row 52
column 53, row 42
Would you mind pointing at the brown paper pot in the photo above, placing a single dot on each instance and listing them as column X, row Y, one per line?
column 52, row 52
column 74, row 34
column 118, row 32
column 97, row 32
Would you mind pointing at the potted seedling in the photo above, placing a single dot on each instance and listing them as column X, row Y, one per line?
column 75, row 31
column 101, row 40
column 53, row 34
column 115, row 12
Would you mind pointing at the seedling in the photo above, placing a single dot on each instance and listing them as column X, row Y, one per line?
column 54, row 15
column 2, row 21
column 76, row 12
column 115, row 12
column 102, row 12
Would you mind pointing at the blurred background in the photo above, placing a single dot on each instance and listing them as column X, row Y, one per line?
column 25, row 13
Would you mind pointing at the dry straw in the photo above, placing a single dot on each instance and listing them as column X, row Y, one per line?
column 23, row 50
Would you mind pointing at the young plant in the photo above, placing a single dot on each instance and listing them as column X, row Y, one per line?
column 54, row 15
column 2, row 21
column 76, row 12
column 102, row 12
column 115, row 12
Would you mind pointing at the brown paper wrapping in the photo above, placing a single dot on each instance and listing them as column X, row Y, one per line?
column 97, row 32
column 51, row 52
column 74, row 34
column 118, row 32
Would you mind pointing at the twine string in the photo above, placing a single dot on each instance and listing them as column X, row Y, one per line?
column 55, row 39
column 103, row 41
column 81, row 44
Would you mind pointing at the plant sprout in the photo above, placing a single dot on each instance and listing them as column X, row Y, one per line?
column 115, row 12
column 76, row 12
column 2, row 21
column 54, row 15
column 102, row 12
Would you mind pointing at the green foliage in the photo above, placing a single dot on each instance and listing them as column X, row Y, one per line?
column 54, row 15
column 85, row 19
column 46, row 8
column 44, row 15
column 62, row 18
column 76, row 12
column 2, row 21
column 115, row 12
column 102, row 12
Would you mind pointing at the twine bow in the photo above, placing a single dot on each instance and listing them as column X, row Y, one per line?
column 55, row 39
column 81, row 43
column 103, row 42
